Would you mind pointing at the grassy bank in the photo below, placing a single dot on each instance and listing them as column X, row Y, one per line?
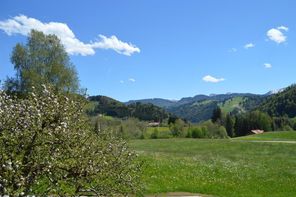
column 271, row 136
column 218, row 167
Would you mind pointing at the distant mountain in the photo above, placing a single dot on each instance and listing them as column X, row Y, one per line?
column 164, row 103
column 202, row 110
column 108, row 106
column 200, row 107
column 196, row 111
column 111, row 107
column 282, row 103
column 271, row 92
column 187, row 100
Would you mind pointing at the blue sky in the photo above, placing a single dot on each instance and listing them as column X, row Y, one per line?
column 167, row 49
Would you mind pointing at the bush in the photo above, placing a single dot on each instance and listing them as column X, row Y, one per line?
column 212, row 130
column 287, row 128
column 177, row 128
column 48, row 148
column 189, row 134
column 132, row 128
column 154, row 135
column 197, row 132
column 220, row 132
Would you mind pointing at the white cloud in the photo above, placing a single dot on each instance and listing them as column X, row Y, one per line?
column 232, row 50
column 132, row 80
column 23, row 25
column 115, row 44
column 211, row 79
column 277, row 34
column 283, row 28
column 249, row 45
column 121, row 81
column 267, row 65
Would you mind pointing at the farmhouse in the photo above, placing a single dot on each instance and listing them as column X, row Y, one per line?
column 257, row 131
column 153, row 124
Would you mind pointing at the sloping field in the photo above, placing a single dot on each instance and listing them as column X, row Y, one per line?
column 271, row 136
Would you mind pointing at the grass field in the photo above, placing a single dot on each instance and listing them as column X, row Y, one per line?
column 230, row 104
column 160, row 129
column 218, row 167
column 272, row 136
column 163, row 132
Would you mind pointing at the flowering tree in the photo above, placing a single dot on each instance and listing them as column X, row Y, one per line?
column 47, row 147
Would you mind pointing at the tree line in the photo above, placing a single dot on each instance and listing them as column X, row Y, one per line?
column 242, row 124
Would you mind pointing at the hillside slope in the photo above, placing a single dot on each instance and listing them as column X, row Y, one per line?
column 196, row 111
column 281, row 104
column 164, row 103
column 200, row 107
column 111, row 107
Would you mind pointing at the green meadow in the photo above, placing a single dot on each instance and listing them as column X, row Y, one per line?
column 162, row 132
column 220, row 167
column 230, row 104
column 271, row 136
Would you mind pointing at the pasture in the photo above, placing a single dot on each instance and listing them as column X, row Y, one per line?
column 219, row 167
column 271, row 136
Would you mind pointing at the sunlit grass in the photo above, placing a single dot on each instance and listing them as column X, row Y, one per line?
column 274, row 136
column 218, row 167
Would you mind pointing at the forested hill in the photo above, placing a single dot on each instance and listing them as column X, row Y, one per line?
column 111, row 107
column 163, row 103
column 281, row 104
column 200, row 107
column 166, row 103
column 202, row 110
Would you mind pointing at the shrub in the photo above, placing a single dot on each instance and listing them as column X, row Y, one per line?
column 48, row 148
column 287, row 128
column 212, row 130
column 197, row 132
column 189, row 134
column 177, row 129
column 220, row 132
column 132, row 128
column 154, row 134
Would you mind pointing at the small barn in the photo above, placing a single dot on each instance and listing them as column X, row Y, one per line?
column 257, row 131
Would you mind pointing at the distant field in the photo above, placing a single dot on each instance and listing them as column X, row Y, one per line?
column 218, row 167
column 160, row 129
column 163, row 132
column 230, row 104
column 273, row 136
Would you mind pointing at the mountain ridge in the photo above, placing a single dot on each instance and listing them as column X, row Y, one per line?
column 161, row 102
column 200, row 107
column 195, row 109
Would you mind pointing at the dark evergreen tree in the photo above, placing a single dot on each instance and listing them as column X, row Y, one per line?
column 229, row 125
column 244, row 123
column 217, row 115
column 172, row 119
